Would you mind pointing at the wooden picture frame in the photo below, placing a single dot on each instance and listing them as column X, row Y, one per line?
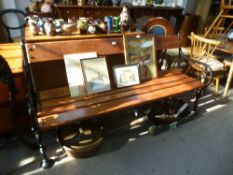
column 74, row 72
column 140, row 49
column 126, row 75
column 95, row 74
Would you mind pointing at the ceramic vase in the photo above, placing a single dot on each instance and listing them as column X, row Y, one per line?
column 116, row 23
column 49, row 27
column 108, row 20
column 34, row 29
column 82, row 25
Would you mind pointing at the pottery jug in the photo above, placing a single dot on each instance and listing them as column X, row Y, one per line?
column 82, row 25
column 34, row 29
column 49, row 27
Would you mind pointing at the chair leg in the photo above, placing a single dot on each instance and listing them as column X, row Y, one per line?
column 217, row 85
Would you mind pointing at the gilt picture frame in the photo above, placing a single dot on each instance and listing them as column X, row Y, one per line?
column 141, row 49
column 126, row 75
column 95, row 74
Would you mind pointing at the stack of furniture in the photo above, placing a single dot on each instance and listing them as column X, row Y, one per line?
column 225, row 8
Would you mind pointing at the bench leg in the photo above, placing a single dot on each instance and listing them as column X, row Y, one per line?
column 46, row 163
column 197, row 96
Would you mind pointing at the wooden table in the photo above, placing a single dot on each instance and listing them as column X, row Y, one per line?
column 227, row 47
column 13, row 55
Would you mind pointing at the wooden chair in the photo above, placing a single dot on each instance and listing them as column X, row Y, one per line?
column 8, row 26
column 202, row 51
column 215, row 30
column 158, row 26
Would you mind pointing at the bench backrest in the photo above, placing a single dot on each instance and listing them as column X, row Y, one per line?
column 47, row 60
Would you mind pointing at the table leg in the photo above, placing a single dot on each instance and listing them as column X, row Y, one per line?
column 230, row 74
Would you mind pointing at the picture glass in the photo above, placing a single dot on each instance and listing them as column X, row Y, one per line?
column 141, row 50
column 95, row 75
column 74, row 72
column 127, row 75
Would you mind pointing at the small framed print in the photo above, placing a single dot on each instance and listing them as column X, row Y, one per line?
column 95, row 74
column 126, row 75
column 140, row 49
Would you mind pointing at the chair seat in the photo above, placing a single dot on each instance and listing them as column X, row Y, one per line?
column 175, row 52
column 213, row 63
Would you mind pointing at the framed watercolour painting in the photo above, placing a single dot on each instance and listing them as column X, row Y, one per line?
column 95, row 74
column 74, row 72
column 140, row 49
column 126, row 75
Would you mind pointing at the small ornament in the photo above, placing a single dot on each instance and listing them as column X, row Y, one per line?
column 116, row 23
column 82, row 25
column 58, row 24
column 34, row 29
column 68, row 28
column 49, row 27
column 91, row 29
column 108, row 20
column 125, row 19
column 41, row 25
column 103, row 27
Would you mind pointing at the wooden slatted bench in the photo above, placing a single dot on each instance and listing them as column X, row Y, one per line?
column 51, row 105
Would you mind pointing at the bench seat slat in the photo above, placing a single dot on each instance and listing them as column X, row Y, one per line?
column 159, row 82
column 99, row 105
column 62, row 106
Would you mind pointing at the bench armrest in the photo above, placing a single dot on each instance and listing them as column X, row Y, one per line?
column 205, row 77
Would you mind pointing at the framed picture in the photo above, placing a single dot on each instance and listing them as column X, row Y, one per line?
column 140, row 49
column 74, row 72
column 126, row 75
column 95, row 74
